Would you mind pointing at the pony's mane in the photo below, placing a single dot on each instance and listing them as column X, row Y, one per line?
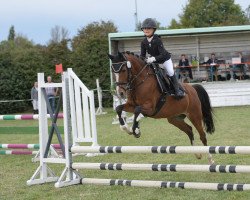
column 136, row 56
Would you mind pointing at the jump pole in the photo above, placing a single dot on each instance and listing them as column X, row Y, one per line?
column 25, row 146
column 163, row 167
column 17, row 152
column 166, row 184
column 25, row 117
column 163, row 149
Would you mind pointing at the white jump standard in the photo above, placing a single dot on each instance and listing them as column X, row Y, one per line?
column 80, row 126
column 78, row 103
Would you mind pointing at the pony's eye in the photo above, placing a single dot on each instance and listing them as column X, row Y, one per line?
column 123, row 70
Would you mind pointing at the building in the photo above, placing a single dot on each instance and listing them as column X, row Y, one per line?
column 196, row 43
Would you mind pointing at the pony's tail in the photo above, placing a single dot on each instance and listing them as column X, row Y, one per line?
column 207, row 110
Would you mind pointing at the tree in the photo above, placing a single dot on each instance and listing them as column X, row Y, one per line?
column 12, row 34
column 89, row 55
column 20, row 61
column 207, row 13
column 58, row 34
column 248, row 12
column 57, row 51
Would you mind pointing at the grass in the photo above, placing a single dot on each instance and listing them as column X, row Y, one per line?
column 232, row 128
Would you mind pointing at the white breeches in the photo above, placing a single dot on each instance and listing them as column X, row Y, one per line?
column 168, row 67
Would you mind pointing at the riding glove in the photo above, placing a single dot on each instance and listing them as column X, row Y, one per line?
column 150, row 60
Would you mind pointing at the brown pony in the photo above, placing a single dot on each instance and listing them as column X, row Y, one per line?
column 136, row 80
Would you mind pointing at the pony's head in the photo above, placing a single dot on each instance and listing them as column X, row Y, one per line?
column 121, row 68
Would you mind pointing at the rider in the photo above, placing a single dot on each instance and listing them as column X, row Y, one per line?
column 153, row 45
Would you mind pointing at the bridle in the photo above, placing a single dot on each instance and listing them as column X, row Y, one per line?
column 117, row 67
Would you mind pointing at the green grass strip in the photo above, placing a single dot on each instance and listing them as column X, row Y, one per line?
column 23, row 130
column 19, row 130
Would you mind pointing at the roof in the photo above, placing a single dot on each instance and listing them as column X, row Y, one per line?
column 186, row 31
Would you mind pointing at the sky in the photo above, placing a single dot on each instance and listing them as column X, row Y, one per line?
column 35, row 18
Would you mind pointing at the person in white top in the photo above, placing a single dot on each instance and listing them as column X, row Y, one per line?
column 34, row 97
column 51, row 93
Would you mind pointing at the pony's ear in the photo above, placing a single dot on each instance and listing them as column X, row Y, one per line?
column 120, row 55
column 111, row 57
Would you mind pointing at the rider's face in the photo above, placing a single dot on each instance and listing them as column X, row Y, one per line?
column 148, row 31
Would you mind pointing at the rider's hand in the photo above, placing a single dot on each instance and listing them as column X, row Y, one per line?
column 150, row 60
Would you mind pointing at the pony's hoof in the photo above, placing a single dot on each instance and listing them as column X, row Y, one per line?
column 198, row 156
column 137, row 133
column 126, row 129
column 211, row 162
column 123, row 127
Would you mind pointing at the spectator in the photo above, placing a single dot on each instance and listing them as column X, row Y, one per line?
column 34, row 97
column 242, row 67
column 51, row 93
column 212, row 62
column 184, row 66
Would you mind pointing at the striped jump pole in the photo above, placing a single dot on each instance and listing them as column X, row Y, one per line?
column 25, row 117
column 25, row 146
column 17, row 152
column 166, row 184
column 163, row 149
column 164, row 167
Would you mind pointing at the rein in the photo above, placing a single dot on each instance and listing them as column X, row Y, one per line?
column 136, row 76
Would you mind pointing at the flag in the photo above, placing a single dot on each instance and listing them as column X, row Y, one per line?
column 59, row 68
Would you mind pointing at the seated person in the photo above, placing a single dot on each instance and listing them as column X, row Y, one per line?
column 242, row 67
column 212, row 62
column 184, row 66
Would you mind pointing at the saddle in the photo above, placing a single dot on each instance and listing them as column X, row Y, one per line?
column 164, row 83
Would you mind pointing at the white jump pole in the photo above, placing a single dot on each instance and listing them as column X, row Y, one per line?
column 163, row 149
column 167, row 184
column 164, row 167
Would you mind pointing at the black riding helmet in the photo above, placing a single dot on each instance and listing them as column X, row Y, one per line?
column 148, row 23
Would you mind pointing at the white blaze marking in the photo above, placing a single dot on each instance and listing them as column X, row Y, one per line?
column 117, row 80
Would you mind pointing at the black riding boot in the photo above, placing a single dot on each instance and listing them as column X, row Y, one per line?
column 179, row 93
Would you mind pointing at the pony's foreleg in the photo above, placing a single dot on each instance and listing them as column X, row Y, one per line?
column 123, row 125
column 137, row 116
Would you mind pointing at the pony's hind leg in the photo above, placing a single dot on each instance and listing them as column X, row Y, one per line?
column 183, row 126
column 197, row 122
